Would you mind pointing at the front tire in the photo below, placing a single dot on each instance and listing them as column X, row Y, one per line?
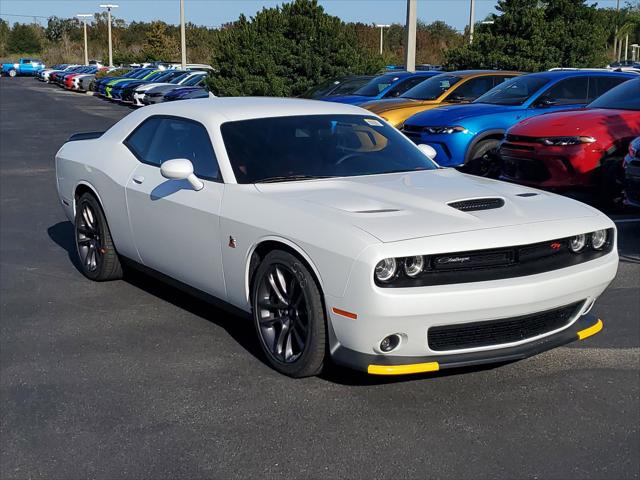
column 97, row 255
column 483, row 160
column 289, row 315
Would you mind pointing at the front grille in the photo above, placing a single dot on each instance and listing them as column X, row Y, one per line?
column 521, row 139
column 477, row 204
column 497, row 332
column 525, row 169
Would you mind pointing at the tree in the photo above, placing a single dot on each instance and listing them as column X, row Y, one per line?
column 533, row 35
column 58, row 27
column 24, row 39
column 5, row 31
column 159, row 45
column 283, row 51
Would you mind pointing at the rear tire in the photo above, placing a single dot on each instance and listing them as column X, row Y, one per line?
column 289, row 315
column 12, row 73
column 97, row 255
column 484, row 161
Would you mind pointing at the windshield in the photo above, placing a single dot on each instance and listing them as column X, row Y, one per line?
column 622, row 97
column 375, row 86
column 140, row 73
column 299, row 147
column 195, row 80
column 513, row 92
column 432, row 88
column 179, row 78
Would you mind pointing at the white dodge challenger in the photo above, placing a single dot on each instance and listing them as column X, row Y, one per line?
column 336, row 234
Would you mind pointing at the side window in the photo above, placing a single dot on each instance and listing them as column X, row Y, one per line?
column 600, row 85
column 471, row 89
column 402, row 87
column 570, row 91
column 165, row 138
column 138, row 142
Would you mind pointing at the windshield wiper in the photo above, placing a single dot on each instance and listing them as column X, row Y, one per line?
column 291, row 178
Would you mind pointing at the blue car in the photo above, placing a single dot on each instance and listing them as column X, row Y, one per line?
column 185, row 93
column 387, row 85
column 467, row 135
column 101, row 85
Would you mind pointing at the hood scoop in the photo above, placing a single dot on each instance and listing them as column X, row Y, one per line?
column 475, row 204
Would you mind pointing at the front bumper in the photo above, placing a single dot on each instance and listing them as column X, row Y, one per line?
column 550, row 167
column 584, row 327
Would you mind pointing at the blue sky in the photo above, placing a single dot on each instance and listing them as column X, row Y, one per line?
column 216, row 12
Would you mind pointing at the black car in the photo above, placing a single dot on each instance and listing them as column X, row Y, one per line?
column 341, row 86
column 632, row 174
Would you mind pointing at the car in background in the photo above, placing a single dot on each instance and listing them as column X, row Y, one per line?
column 154, row 92
column 432, row 268
column 444, row 89
column 135, row 74
column 186, row 93
column 467, row 135
column 117, row 89
column 24, row 66
column 66, row 80
column 631, row 168
column 387, row 85
column 340, row 86
column 577, row 149
column 83, row 81
column 124, row 92
column 100, row 85
column 43, row 75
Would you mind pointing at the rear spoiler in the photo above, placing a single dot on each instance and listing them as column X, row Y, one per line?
column 84, row 136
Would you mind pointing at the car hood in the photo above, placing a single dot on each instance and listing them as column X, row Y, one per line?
column 578, row 122
column 404, row 206
column 380, row 106
column 449, row 115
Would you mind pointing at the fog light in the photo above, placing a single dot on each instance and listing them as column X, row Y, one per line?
column 577, row 243
column 389, row 343
column 598, row 239
column 413, row 266
column 386, row 269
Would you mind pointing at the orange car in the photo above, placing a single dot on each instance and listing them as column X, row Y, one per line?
column 444, row 89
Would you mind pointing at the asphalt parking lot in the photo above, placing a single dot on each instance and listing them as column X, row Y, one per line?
column 135, row 379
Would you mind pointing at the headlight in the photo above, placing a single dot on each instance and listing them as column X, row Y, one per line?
column 577, row 243
column 413, row 266
column 564, row 141
column 598, row 239
column 386, row 269
column 445, row 130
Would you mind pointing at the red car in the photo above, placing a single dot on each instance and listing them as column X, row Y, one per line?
column 575, row 148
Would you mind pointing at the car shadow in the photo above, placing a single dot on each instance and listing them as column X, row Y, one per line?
column 238, row 327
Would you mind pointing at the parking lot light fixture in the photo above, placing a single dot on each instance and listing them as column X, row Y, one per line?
column 109, row 7
column 381, row 27
column 84, row 17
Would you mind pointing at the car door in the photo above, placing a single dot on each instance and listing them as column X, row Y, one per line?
column 175, row 228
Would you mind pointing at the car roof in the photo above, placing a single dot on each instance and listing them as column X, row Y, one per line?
column 469, row 73
column 555, row 74
column 245, row 108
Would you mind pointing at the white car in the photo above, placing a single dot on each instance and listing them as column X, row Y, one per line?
column 340, row 237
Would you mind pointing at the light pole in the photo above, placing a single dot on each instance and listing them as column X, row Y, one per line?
column 109, row 7
column 410, row 44
column 472, row 14
column 183, row 39
column 84, row 17
column 634, row 49
column 381, row 27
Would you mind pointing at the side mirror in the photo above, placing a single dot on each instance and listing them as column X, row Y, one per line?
column 181, row 169
column 428, row 150
column 544, row 103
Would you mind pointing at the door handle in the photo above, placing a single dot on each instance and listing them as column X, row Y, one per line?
column 138, row 178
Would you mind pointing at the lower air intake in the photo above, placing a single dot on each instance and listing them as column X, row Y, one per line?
column 496, row 332
column 477, row 204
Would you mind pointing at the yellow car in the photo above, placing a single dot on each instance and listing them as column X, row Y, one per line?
column 444, row 89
